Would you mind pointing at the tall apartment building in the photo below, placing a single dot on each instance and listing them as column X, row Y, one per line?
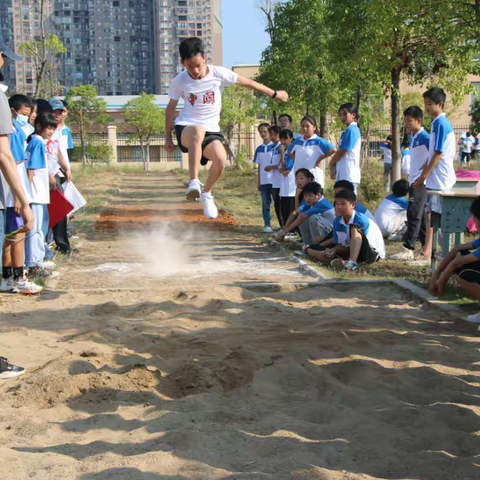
column 180, row 19
column 123, row 47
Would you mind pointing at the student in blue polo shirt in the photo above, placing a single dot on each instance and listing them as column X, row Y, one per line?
column 288, row 187
column 416, row 221
column 391, row 214
column 463, row 264
column 41, row 180
column 274, row 169
column 13, row 255
column 438, row 173
column 314, row 217
column 346, row 185
column 310, row 150
column 356, row 238
column 345, row 164
column 263, row 158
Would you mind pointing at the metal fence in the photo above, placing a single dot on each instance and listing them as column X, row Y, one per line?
column 241, row 146
column 129, row 150
column 91, row 139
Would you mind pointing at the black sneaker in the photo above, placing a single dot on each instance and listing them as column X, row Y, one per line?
column 8, row 370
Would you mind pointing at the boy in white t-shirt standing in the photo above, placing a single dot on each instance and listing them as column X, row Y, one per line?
column 197, row 127
column 438, row 173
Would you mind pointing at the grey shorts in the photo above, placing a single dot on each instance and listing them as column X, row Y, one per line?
column 434, row 204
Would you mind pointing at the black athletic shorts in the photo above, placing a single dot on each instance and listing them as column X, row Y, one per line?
column 470, row 271
column 209, row 138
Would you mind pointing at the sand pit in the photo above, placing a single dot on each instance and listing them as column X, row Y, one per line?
column 136, row 376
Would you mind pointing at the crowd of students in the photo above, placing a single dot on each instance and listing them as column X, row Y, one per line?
column 339, row 231
column 34, row 161
column 39, row 143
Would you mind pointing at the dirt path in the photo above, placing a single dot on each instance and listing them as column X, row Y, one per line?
column 158, row 354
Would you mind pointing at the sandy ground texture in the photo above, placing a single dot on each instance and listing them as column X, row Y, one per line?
column 160, row 353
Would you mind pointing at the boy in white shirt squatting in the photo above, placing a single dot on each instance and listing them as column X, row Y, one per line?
column 391, row 214
column 197, row 127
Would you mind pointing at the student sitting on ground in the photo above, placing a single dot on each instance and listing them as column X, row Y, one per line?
column 391, row 214
column 356, row 239
column 301, row 178
column 463, row 263
column 346, row 185
column 314, row 217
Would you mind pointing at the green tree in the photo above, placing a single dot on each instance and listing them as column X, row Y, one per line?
column 475, row 114
column 88, row 111
column 408, row 39
column 299, row 60
column 44, row 52
column 148, row 120
column 239, row 108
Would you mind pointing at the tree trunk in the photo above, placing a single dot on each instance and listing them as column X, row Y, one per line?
column 147, row 165
column 82, row 139
column 323, row 124
column 275, row 122
column 365, row 148
column 359, row 98
column 396, row 126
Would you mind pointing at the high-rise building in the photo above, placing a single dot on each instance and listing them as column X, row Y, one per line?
column 176, row 20
column 6, row 30
column 123, row 47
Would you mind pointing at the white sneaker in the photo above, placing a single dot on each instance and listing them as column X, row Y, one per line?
column 404, row 254
column 49, row 265
column 8, row 370
column 7, row 285
column 291, row 236
column 474, row 318
column 26, row 287
column 210, row 210
column 397, row 237
column 267, row 230
column 194, row 190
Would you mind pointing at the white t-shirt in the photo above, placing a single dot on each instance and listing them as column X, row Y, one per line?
column 348, row 167
column 277, row 177
column 387, row 153
column 64, row 144
column 307, row 152
column 467, row 141
column 391, row 214
column 263, row 158
column 53, row 147
column 288, row 187
column 442, row 139
column 419, row 146
column 341, row 232
column 203, row 98
column 37, row 161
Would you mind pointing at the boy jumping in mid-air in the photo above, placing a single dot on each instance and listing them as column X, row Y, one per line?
column 197, row 127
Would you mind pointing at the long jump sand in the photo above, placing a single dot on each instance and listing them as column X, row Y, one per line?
column 157, row 355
